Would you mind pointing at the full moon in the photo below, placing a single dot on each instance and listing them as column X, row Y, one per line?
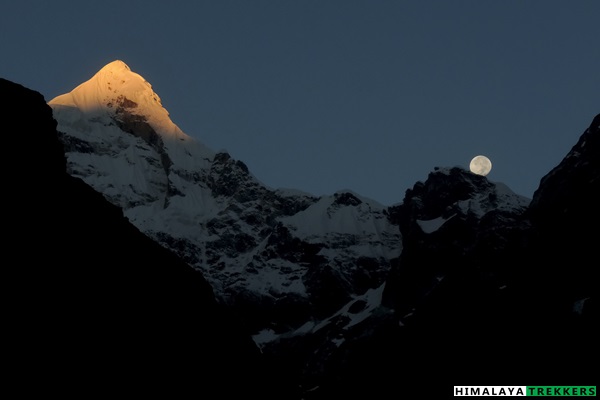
column 480, row 165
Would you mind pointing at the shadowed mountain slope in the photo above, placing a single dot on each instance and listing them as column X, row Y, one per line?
column 488, row 290
column 94, row 305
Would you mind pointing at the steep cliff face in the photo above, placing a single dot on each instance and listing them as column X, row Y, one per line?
column 94, row 305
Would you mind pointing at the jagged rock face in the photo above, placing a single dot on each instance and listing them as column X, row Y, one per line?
column 94, row 305
column 453, row 222
column 280, row 258
column 455, row 191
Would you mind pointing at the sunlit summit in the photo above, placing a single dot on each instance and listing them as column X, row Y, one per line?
column 114, row 89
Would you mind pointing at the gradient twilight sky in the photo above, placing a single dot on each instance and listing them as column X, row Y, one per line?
column 322, row 95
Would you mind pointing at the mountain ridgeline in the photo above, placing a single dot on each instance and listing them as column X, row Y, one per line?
column 153, row 250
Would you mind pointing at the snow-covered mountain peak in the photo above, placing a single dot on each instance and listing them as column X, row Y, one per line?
column 116, row 66
column 117, row 93
column 264, row 251
column 118, row 101
column 451, row 191
column 110, row 86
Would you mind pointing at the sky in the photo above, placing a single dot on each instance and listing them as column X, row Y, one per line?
column 324, row 95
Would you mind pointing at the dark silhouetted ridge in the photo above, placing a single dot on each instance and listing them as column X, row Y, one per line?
column 94, row 306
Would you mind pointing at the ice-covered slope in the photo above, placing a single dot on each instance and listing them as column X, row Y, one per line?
column 265, row 252
column 144, row 167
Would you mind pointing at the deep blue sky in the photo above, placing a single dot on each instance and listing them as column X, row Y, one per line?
column 326, row 95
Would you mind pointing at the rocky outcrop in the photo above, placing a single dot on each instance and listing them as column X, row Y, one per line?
column 455, row 223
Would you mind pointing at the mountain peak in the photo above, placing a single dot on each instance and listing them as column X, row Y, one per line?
column 112, row 84
column 117, row 104
column 448, row 191
column 115, row 66
column 115, row 92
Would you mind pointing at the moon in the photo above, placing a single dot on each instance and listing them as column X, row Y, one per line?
column 480, row 165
